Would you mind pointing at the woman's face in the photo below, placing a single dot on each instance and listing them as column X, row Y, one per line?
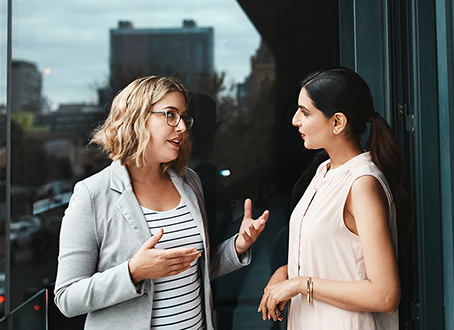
column 165, row 141
column 315, row 129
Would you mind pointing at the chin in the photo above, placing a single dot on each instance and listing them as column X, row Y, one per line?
column 171, row 158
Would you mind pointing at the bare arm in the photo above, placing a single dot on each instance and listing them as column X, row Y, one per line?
column 368, row 205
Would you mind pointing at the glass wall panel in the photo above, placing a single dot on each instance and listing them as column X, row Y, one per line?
column 70, row 58
column 3, row 97
column 31, row 314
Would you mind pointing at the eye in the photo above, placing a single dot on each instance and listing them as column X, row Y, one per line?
column 304, row 112
column 172, row 114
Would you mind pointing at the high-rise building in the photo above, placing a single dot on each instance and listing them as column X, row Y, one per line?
column 186, row 53
column 26, row 87
column 262, row 71
column 261, row 79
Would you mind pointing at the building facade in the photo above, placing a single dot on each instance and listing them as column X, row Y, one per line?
column 26, row 91
column 186, row 53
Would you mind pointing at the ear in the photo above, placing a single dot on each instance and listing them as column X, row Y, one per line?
column 339, row 122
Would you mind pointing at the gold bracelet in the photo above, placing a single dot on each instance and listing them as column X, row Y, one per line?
column 309, row 290
column 311, row 285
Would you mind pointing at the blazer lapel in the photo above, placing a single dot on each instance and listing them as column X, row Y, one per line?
column 190, row 198
column 127, row 203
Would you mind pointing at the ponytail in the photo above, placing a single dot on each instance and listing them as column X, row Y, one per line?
column 386, row 154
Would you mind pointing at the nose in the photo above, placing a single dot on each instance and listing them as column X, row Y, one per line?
column 181, row 127
column 296, row 121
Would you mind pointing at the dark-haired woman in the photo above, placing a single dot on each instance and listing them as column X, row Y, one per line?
column 343, row 243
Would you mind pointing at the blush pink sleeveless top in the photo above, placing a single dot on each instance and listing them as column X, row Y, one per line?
column 321, row 246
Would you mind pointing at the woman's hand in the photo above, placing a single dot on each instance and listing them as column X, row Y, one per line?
column 279, row 276
column 150, row 263
column 250, row 229
column 277, row 293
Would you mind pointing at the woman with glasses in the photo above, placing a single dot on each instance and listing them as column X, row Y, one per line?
column 343, row 235
column 134, row 251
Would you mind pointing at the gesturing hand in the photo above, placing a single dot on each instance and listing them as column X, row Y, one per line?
column 150, row 263
column 250, row 229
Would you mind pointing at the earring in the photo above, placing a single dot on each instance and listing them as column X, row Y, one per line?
column 334, row 131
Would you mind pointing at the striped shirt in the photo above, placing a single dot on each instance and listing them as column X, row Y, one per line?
column 177, row 300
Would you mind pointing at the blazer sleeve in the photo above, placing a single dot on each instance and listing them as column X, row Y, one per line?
column 79, row 287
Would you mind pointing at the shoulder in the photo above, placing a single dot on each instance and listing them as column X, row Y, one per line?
column 97, row 180
column 190, row 173
column 367, row 185
column 367, row 176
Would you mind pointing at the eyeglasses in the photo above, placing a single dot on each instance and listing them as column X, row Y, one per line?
column 173, row 118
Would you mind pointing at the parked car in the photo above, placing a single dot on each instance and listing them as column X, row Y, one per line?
column 23, row 233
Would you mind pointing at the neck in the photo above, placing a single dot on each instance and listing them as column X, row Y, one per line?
column 148, row 173
column 341, row 153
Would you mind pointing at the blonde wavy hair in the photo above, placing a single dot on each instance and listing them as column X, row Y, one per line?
column 124, row 135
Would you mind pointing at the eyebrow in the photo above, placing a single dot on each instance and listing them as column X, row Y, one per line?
column 303, row 107
column 171, row 108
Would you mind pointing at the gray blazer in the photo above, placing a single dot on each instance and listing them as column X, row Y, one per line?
column 102, row 229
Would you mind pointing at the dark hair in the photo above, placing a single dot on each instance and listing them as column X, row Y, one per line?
column 343, row 90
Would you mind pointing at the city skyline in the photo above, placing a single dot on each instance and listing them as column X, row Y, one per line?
column 70, row 41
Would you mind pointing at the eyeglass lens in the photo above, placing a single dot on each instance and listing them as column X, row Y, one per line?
column 173, row 119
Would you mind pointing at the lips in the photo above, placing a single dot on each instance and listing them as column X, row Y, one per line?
column 175, row 142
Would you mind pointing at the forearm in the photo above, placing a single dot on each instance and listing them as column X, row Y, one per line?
column 80, row 286
column 364, row 296
column 76, row 296
column 225, row 260
column 279, row 275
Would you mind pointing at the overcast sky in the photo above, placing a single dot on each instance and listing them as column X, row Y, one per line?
column 70, row 38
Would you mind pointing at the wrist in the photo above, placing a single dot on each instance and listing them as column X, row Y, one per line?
column 133, row 273
column 239, row 250
column 302, row 285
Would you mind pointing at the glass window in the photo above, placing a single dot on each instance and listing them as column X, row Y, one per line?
column 70, row 58
column 3, row 78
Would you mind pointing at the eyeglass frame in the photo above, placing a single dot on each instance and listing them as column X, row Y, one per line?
column 178, row 120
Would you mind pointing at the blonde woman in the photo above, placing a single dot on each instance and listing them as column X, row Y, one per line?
column 134, row 250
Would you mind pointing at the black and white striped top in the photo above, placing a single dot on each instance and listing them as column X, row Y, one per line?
column 177, row 300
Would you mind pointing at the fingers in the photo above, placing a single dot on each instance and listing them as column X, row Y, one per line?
column 281, row 305
column 252, row 230
column 262, row 309
column 151, row 263
column 177, row 253
column 247, row 209
column 184, row 260
column 264, row 303
column 150, row 243
column 177, row 269
column 271, row 306
column 180, row 258
column 264, row 216
column 267, row 308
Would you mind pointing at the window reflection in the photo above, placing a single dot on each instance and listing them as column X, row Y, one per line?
column 68, row 65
